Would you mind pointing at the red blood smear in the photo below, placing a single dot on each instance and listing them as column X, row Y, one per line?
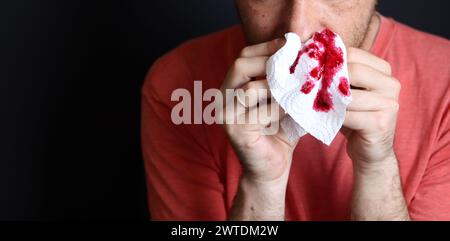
column 294, row 65
column 323, row 101
column 312, row 50
column 343, row 86
column 330, row 60
column 307, row 87
column 316, row 73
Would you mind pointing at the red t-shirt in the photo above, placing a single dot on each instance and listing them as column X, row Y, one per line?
column 192, row 172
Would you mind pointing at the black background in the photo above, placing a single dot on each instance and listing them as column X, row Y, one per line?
column 70, row 76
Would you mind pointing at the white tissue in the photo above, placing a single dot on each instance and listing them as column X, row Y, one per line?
column 303, row 117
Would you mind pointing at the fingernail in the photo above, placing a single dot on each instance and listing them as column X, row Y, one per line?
column 279, row 41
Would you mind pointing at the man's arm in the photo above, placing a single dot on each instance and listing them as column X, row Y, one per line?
column 266, row 159
column 259, row 200
column 377, row 192
column 370, row 129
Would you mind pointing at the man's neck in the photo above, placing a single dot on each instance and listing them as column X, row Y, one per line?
column 372, row 32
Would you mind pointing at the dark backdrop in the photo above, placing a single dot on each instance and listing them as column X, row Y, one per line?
column 70, row 76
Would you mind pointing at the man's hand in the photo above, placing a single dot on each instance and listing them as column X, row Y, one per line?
column 266, row 159
column 373, row 112
column 370, row 127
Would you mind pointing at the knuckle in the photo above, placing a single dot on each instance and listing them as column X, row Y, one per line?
column 237, row 65
column 383, row 122
column 250, row 86
column 353, row 69
column 392, row 105
column 350, row 53
column 396, row 84
column 253, row 90
column 245, row 51
column 387, row 66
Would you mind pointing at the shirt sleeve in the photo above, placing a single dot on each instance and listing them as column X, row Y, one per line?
column 432, row 199
column 183, row 181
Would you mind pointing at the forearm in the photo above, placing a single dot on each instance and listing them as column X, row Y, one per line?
column 259, row 201
column 377, row 192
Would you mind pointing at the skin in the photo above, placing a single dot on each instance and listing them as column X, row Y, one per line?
column 370, row 119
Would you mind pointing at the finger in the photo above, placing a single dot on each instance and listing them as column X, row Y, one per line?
column 372, row 123
column 250, row 94
column 238, row 103
column 233, row 112
column 263, row 115
column 263, row 49
column 283, row 136
column 368, row 78
column 370, row 101
column 360, row 56
column 243, row 70
column 359, row 120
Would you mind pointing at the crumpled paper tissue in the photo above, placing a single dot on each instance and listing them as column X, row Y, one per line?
column 311, row 83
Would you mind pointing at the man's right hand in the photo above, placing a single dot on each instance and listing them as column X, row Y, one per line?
column 266, row 159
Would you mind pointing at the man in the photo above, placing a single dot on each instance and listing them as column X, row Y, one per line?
column 391, row 160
